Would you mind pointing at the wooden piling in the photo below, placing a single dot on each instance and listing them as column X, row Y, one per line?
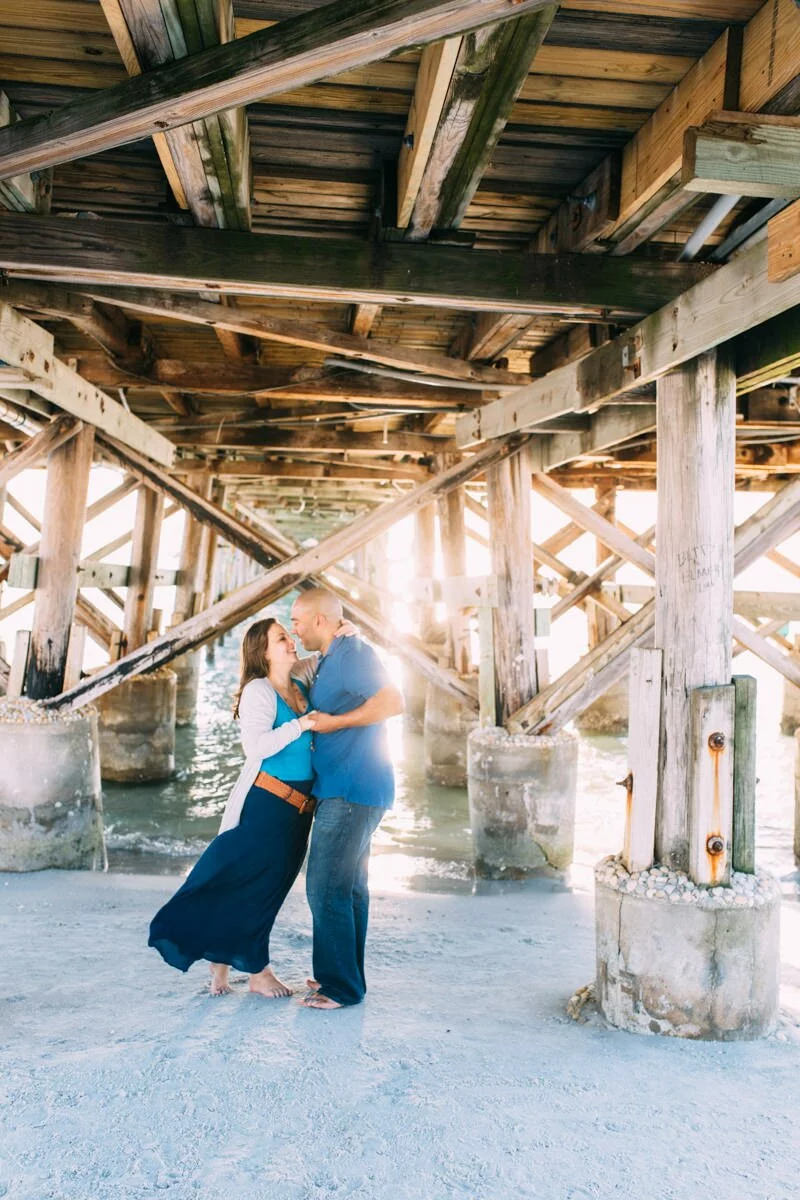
column 68, row 469
column 509, row 496
column 694, row 571
column 144, row 560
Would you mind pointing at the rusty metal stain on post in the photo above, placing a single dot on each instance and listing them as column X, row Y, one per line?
column 715, row 842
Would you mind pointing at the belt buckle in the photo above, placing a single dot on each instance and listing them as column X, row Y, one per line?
column 308, row 804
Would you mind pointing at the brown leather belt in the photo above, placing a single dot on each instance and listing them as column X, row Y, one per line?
column 291, row 795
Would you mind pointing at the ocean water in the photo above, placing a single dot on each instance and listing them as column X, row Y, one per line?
column 424, row 843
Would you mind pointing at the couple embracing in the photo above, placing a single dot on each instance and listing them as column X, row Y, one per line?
column 313, row 735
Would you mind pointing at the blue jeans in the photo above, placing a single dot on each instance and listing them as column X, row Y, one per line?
column 336, row 885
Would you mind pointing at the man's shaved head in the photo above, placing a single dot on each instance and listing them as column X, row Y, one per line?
column 321, row 603
column 316, row 615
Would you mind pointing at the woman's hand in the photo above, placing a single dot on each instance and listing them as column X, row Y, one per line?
column 307, row 721
column 347, row 629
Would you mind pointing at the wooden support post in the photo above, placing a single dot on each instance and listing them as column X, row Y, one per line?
column 694, row 572
column 509, row 495
column 710, row 775
column 19, row 664
column 425, row 553
column 68, row 470
column 144, row 560
column 744, row 775
column 189, row 582
column 454, row 559
column 644, row 676
column 487, row 676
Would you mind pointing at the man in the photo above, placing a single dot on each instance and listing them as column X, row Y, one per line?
column 354, row 786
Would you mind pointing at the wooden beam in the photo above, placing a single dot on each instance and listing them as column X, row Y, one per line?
column 319, row 439
column 261, row 324
column 31, row 452
column 27, row 345
column 605, row 531
column 607, row 428
column 783, row 236
column 207, row 162
column 126, row 252
column 363, row 318
column 743, row 154
column 575, row 343
column 275, row 387
column 770, row 79
column 490, row 69
column 24, row 193
column 739, row 297
column 280, row 579
column 487, row 336
column 371, row 469
column 286, row 56
column 123, row 340
column 433, row 80
column 768, row 352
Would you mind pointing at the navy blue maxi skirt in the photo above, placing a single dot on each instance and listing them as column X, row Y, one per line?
column 225, row 910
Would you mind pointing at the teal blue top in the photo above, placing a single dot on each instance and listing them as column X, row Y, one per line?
column 292, row 763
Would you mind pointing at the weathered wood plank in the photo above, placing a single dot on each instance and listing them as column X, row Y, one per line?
column 771, row 59
column 433, row 80
column 741, row 154
column 492, row 66
column 19, row 661
column 606, row 531
column 783, row 237
column 280, row 579
column 126, row 252
column 736, row 299
column 710, row 778
column 743, row 855
column 644, row 729
column 289, row 55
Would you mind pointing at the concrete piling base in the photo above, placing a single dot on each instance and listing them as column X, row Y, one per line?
column 50, row 798
column 137, row 729
column 187, row 686
column 687, row 961
column 448, row 723
column 521, row 801
column 608, row 713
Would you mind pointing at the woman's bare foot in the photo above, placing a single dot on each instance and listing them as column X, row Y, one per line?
column 313, row 985
column 265, row 983
column 220, row 985
column 319, row 1001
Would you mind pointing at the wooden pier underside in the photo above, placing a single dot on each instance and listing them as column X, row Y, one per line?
column 246, row 252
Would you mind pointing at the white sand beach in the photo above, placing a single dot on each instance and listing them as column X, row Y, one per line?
column 460, row 1077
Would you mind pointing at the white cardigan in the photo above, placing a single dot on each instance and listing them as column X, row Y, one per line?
column 258, row 708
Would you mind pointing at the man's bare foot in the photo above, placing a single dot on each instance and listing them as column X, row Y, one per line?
column 265, row 983
column 220, row 984
column 320, row 1001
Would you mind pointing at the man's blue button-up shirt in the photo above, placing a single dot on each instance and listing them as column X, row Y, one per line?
column 351, row 763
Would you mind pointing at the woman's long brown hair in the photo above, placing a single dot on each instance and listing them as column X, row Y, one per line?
column 254, row 663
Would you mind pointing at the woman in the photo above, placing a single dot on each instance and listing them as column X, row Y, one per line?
column 225, row 910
